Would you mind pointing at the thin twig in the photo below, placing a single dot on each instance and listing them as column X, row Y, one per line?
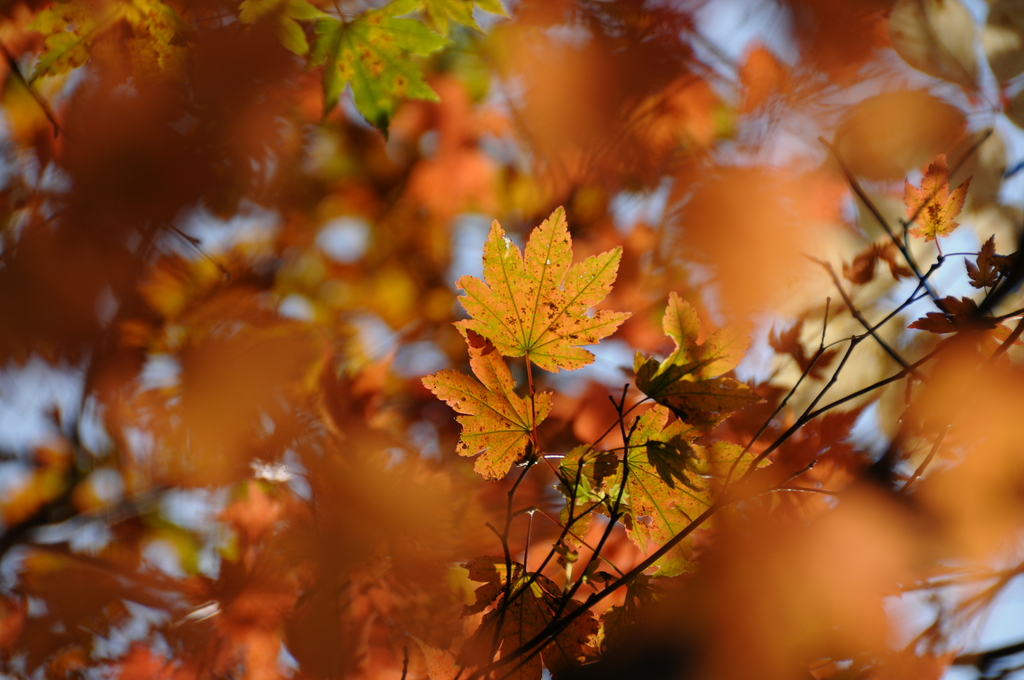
column 20, row 77
column 862, row 195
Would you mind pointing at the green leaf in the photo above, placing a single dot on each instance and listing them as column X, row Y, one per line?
column 670, row 482
column 689, row 381
column 71, row 28
column 497, row 423
column 288, row 13
column 441, row 12
column 374, row 54
column 654, row 510
column 538, row 306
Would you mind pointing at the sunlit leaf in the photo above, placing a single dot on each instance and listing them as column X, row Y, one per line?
column 537, row 306
column 658, row 508
column 689, row 381
column 288, row 13
column 374, row 54
column 71, row 29
column 443, row 12
column 934, row 206
column 497, row 423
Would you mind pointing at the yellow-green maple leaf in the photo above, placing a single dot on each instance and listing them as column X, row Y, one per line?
column 374, row 54
column 933, row 207
column 72, row 28
column 537, row 306
column 288, row 14
column 670, row 482
column 496, row 422
column 689, row 381
column 443, row 12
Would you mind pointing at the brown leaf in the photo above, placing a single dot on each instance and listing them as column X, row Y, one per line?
column 956, row 315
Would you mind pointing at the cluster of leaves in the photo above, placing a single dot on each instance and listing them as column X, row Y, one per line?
column 245, row 283
column 534, row 305
column 373, row 51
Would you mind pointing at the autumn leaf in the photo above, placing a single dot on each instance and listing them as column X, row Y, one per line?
column 582, row 472
column 496, row 422
column 537, row 306
column 619, row 621
column 72, row 28
column 862, row 269
column 762, row 76
column 374, row 54
column 441, row 663
column 288, row 13
column 443, row 12
column 689, row 381
column 956, row 315
column 989, row 267
column 656, row 506
column 933, row 207
column 788, row 342
column 529, row 610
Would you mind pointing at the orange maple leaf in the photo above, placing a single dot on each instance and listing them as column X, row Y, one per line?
column 537, row 305
column 933, row 206
column 496, row 422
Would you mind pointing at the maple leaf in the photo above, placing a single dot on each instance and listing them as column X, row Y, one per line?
column 933, row 206
column 441, row 663
column 72, row 28
column 374, row 54
column 441, row 12
column 531, row 607
column 788, row 342
column 619, row 621
column 537, row 306
column 689, row 381
column 656, row 507
column 956, row 315
column 288, row 14
column 990, row 268
column 862, row 269
column 496, row 422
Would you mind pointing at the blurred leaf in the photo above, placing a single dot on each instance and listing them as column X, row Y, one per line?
column 443, row 12
column 288, row 13
column 71, row 28
column 762, row 77
column 1003, row 39
column 885, row 136
column 530, row 609
column 936, row 37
